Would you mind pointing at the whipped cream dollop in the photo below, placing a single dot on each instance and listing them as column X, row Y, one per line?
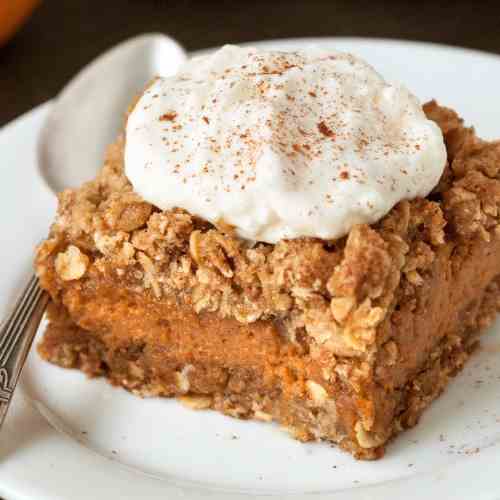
column 281, row 144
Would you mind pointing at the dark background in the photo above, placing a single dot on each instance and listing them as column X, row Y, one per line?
column 64, row 35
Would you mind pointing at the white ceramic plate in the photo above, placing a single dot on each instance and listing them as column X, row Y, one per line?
column 70, row 438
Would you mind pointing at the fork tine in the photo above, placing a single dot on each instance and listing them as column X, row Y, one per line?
column 18, row 330
column 17, row 336
column 29, row 298
column 19, row 307
column 12, row 313
column 21, row 304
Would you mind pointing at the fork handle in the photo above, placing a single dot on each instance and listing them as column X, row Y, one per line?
column 16, row 337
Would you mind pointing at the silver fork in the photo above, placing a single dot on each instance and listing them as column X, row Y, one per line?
column 16, row 336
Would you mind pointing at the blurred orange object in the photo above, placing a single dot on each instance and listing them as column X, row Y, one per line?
column 13, row 13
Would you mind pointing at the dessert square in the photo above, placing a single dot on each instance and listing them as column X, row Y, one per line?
column 346, row 339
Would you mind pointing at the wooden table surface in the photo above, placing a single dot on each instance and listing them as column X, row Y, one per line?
column 64, row 35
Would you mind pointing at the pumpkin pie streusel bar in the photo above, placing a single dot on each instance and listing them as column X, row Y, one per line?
column 346, row 341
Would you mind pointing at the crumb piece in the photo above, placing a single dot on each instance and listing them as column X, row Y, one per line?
column 196, row 402
column 365, row 438
column 317, row 392
column 71, row 264
column 261, row 415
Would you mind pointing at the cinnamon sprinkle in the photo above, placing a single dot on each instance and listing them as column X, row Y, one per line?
column 168, row 117
column 327, row 132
